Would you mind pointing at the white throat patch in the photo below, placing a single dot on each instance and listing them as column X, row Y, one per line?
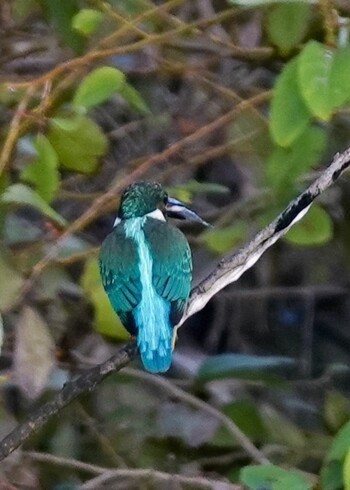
column 156, row 214
column 116, row 222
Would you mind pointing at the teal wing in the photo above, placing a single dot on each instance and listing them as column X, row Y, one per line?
column 172, row 265
column 120, row 275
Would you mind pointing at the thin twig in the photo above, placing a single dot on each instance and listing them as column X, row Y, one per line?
column 154, row 476
column 106, row 474
column 14, row 130
column 71, row 390
column 195, row 402
column 66, row 462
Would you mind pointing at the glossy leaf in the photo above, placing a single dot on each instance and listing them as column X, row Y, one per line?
column 272, row 477
column 78, row 141
column 43, row 171
column 316, row 228
column 324, row 78
column 106, row 321
column 289, row 114
column 25, row 196
column 287, row 24
column 243, row 366
column 86, row 21
column 34, row 353
column 98, row 86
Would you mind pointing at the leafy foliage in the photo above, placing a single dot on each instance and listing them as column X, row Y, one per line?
column 273, row 478
column 78, row 142
column 42, row 172
column 232, row 106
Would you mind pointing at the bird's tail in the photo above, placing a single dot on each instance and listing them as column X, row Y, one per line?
column 154, row 340
column 156, row 360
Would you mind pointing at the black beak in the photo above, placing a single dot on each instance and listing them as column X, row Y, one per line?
column 176, row 209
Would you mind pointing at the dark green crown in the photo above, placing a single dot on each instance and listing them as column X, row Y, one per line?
column 141, row 198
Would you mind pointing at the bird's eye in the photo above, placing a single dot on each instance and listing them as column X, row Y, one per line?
column 165, row 199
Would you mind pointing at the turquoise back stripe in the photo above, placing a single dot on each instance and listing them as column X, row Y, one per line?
column 152, row 313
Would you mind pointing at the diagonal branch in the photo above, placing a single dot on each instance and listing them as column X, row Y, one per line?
column 232, row 267
column 227, row 271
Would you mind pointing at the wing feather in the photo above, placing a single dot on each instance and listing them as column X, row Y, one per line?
column 172, row 264
column 120, row 275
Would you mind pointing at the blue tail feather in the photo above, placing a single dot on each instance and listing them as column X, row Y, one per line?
column 154, row 340
column 158, row 360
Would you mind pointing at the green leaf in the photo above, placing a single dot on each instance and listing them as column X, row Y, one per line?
column 26, row 196
column 10, row 284
column 331, row 476
column 243, row 366
column 324, row 78
column 287, row 24
column 340, row 444
column 185, row 192
column 336, row 409
column 78, row 141
column 98, row 86
column 86, row 21
column 272, row 477
column 43, row 172
column 60, row 15
column 346, row 471
column 285, row 165
column 134, row 98
column 280, row 429
column 289, row 113
column 249, row 136
column 316, row 228
column 34, row 353
column 332, row 471
column 245, row 415
column 222, row 240
column 106, row 321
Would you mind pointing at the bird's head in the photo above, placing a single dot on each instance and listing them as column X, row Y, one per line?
column 150, row 198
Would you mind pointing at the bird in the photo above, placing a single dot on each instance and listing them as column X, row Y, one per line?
column 146, row 269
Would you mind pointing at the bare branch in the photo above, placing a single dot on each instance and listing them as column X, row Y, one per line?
column 232, row 267
column 195, row 402
column 71, row 390
column 103, row 475
column 154, row 476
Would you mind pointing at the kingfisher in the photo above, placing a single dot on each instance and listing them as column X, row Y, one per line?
column 146, row 269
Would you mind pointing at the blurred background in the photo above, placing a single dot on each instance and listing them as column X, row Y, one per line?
column 235, row 107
